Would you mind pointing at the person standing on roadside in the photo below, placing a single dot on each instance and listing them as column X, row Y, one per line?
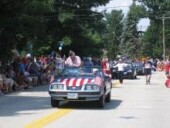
column 167, row 67
column 120, row 65
column 59, row 64
column 147, row 70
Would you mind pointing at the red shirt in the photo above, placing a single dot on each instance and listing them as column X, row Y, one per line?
column 167, row 67
column 167, row 83
column 103, row 64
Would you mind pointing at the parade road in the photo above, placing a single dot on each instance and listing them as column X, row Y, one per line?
column 133, row 105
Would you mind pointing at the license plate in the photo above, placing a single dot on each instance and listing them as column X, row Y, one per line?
column 72, row 96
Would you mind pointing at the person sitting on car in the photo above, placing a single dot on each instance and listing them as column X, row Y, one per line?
column 73, row 60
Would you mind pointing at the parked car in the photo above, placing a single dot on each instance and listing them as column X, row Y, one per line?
column 129, row 71
column 81, row 84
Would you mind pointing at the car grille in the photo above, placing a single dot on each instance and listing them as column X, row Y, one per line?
column 74, row 87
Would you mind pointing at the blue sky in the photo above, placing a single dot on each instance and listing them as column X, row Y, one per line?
column 124, row 6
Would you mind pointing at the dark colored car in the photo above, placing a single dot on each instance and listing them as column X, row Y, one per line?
column 139, row 68
column 114, row 72
column 129, row 71
column 81, row 84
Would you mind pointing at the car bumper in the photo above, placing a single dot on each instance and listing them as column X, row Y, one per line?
column 82, row 96
column 140, row 72
column 128, row 75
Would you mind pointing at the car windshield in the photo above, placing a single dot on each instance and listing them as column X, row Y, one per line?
column 137, row 64
column 84, row 71
column 92, row 70
column 128, row 65
column 71, row 71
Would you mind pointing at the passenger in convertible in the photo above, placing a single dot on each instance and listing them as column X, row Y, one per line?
column 73, row 60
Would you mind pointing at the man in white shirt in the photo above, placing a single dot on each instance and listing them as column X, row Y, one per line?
column 120, row 65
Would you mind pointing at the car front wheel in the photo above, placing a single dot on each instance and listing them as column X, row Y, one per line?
column 108, row 97
column 101, row 101
column 54, row 103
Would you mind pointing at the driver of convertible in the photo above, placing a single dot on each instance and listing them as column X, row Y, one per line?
column 73, row 60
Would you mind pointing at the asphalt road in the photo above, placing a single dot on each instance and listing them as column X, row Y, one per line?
column 133, row 105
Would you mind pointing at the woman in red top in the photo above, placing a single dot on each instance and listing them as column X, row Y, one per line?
column 167, row 67
column 167, row 83
column 105, row 66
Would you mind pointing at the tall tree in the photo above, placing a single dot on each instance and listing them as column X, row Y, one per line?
column 45, row 23
column 76, row 24
column 156, row 10
column 114, row 24
column 130, row 44
column 21, row 21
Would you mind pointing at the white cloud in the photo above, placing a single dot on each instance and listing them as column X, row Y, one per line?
column 143, row 24
column 124, row 6
column 117, row 5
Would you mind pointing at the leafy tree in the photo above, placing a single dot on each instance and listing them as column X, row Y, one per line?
column 152, row 41
column 21, row 21
column 76, row 21
column 44, row 23
column 114, row 24
column 130, row 44
column 153, row 36
column 9, row 11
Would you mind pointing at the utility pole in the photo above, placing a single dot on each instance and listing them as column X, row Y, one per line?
column 163, row 18
column 163, row 37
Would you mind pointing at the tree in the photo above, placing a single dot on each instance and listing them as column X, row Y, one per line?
column 153, row 36
column 76, row 21
column 130, row 43
column 44, row 23
column 21, row 21
column 114, row 24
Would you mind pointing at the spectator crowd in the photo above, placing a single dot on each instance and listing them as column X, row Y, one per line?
column 26, row 72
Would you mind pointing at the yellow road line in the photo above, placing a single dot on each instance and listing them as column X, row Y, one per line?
column 47, row 119
column 115, row 83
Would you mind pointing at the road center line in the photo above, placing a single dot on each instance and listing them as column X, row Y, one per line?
column 47, row 119
column 115, row 83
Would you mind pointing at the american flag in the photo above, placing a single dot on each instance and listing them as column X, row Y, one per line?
column 98, row 80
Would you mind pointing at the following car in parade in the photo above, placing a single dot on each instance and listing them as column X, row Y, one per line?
column 129, row 71
column 81, row 84
column 139, row 67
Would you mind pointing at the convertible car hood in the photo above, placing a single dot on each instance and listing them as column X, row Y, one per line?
column 78, row 81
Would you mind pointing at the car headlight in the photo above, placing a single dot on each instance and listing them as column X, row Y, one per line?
column 92, row 87
column 57, row 86
column 129, row 70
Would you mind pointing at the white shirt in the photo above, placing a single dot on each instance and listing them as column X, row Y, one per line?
column 120, row 66
column 59, row 63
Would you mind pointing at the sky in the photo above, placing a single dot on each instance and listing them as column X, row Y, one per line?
column 117, row 4
column 124, row 6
